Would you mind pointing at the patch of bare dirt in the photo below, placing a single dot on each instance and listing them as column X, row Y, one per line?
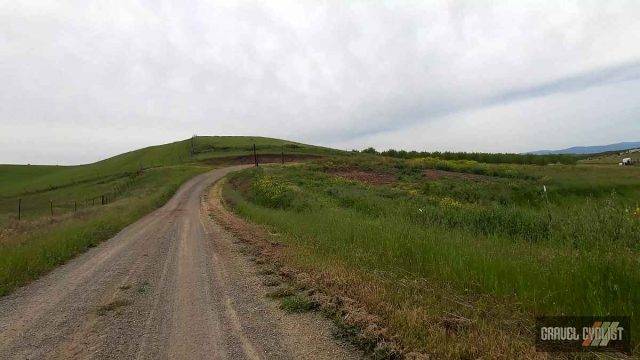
column 367, row 177
column 434, row 174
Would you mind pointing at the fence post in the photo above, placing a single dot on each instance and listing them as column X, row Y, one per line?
column 19, row 208
column 101, row 199
column 75, row 206
column 51, row 207
column 283, row 154
column 255, row 156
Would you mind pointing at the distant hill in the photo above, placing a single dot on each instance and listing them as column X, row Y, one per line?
column 16, row 179
column 591, row 149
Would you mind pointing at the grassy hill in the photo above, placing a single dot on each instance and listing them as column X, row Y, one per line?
column 66, row 209
column 613, row 157
column 21, row 179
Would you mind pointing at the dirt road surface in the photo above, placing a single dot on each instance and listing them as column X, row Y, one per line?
column 170, row 286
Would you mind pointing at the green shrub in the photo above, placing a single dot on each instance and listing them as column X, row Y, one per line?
column 271, row 192
column 297, row 304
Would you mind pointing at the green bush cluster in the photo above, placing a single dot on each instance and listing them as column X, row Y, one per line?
column 271, row 192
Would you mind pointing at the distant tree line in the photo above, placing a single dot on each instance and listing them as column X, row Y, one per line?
column 490, row 158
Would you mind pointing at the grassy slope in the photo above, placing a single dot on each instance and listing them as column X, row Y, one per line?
column 480, row 257
column 17, row 179
column 37, row 185
column 612, row 158
column 207, row 147
column 38, row 242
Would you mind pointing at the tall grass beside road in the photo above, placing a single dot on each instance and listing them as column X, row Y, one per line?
column 499, row 246
column 42, row 245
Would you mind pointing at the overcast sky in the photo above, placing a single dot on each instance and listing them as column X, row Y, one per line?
column 84, row 80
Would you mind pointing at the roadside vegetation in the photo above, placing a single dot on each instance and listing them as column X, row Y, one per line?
column 457, row 256
column 35, row 245
column 65, row 210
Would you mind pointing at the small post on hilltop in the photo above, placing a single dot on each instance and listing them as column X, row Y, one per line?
column 255, row 155
column 51, row 207
column 75, row 205
column 193, row 141
column 19, row 208
column 282, row 154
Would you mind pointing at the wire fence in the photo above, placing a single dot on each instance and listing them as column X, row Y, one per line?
column 22, row 207
column 36, row 206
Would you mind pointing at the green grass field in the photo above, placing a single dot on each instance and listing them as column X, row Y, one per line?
column 135, row 183
column 457, row 250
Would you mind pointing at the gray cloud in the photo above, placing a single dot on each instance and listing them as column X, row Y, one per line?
column 600, row 77
column 106, row 77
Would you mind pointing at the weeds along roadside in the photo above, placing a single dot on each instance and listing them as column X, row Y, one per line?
column 297, row 290
column 385, row 314
column 369, row 230
column 27, row 255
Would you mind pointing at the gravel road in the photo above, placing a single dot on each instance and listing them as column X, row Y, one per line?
column 170, row 286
